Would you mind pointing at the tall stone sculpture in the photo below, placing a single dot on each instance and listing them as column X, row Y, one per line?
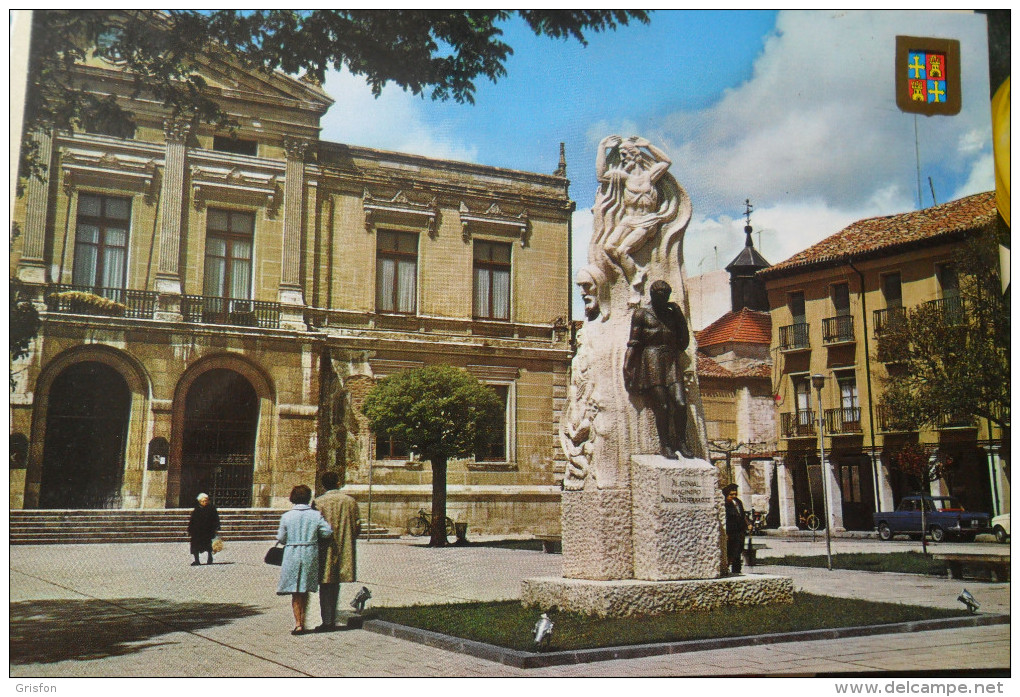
column 641, row 503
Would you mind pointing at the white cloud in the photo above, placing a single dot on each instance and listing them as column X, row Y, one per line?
column 814, row 137
column 391, row 122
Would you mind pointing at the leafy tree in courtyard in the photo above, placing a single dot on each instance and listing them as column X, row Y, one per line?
column 952, row 357
column 24, row 324
column 436, row 52
column 438, row 412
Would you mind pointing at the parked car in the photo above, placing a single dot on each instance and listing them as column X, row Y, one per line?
column 1000, row 526
column 944, row 516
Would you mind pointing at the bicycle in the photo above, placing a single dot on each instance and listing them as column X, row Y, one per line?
column 421, row 524
column 755, row 522
column 808, row 520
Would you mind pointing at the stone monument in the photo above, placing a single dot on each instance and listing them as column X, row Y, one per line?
column 642, row 514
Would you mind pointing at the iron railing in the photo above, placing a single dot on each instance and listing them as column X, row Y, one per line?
column 954, row 421
column 798, row 424
column 888, row 424
column 838, row 329
column 138, row 304
column 950, row 308
column 843, row 420
column 794, row 337
column 205, row 309
column 890, row 320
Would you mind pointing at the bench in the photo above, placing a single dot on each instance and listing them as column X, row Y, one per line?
column 551, row 544
column 997, row 565
column 750, row 552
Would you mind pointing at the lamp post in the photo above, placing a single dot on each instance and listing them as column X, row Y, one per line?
column 818, row 382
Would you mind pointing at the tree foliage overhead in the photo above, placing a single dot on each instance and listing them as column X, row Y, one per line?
column 438, row 412
column 441, row 53
column 952, row 358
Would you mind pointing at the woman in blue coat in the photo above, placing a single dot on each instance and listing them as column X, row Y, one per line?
column 300, row 531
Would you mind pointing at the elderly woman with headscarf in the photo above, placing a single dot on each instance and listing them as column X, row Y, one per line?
column 202, row 528
column 300, row 530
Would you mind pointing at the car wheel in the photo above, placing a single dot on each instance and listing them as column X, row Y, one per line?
column 1000, row 534
column 937, row 533
column 885, row 532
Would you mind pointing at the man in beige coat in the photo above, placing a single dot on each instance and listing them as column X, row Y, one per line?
column 337, row 559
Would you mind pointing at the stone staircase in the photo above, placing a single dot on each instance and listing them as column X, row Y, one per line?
column 38, row 527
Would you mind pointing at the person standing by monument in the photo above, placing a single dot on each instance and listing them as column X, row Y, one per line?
column 337, row 558
column 658, row 334
column 736, row 527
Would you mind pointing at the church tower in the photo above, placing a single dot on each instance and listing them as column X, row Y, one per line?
column 745, row 289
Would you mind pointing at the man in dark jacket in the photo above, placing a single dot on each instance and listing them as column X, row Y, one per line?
column 736, row 527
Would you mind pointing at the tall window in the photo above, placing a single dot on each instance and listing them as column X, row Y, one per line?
column 492, row 280
column 100, row 247
column 228, row 247
column 497, row 451
column 841, row 299
column 847, row 391
column 396, row 271
column 797, row 308
column 389, row 448
column 802, row 390
column 948, row 282
column 892, row 289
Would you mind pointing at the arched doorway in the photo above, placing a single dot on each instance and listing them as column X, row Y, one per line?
column 86, row 432
column 221, row 415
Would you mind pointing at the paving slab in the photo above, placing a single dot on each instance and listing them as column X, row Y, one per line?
column 141, row 610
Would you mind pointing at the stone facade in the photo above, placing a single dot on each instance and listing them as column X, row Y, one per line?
column 297, row 271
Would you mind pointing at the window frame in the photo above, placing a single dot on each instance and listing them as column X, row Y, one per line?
column 103, row 223
column 508, row 431
column 230, row 238
column 885, row 288
column 491, row 267
column 834, row 289
column 397, row 257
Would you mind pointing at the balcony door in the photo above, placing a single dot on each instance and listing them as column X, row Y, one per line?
column 228, row 263
column 100, row 244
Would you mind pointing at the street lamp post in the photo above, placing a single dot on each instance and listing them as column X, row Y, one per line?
column 818, row 382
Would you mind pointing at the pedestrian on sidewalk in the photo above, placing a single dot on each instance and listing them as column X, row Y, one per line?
column 736, row 527
column 337, row 558
column 202, row 528
column 300, row 530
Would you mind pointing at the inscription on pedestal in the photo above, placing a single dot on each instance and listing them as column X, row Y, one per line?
column 685, row 490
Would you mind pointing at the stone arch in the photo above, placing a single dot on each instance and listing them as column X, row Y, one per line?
column 265, row 391
column 139, row 387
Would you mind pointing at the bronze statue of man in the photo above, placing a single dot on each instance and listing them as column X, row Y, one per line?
column 658, row 334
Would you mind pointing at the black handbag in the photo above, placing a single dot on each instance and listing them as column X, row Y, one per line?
column 275, row 555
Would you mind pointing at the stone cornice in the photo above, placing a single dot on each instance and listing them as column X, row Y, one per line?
column 494, row 217
column 400, row 205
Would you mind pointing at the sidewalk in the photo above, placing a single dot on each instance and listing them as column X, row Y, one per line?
column 140, row 610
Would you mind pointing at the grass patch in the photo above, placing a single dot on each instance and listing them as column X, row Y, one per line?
column 897, row 562
column 508, row 624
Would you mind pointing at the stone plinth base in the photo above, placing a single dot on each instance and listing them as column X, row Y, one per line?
column 629, row 597
column 678, row 517
column 597, row 542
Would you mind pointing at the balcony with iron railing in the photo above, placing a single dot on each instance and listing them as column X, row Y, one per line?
column 843, row 420
column 951, row 308
column 794, row 337
column 204, row 309
column 100, row 301
column 890, row 320
column 838, row 330
column 951, row 421
column 798, row 424
column 888, row 423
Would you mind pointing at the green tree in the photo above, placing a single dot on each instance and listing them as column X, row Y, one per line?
column 441, row 53
column 438, row 412
column 952, row 356
column 24, row 324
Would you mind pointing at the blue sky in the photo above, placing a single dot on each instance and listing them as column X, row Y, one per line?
column 794, row 110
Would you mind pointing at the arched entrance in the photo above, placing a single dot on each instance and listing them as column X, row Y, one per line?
column 86, row 432
column 221, row 415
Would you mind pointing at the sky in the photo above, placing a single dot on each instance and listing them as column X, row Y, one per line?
column 794, row 110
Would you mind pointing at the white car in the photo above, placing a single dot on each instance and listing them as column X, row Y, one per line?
column 1000, row 526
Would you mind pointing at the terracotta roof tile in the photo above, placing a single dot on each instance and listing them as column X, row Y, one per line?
column 709, row 368
column 872, row 235
column 746, row 327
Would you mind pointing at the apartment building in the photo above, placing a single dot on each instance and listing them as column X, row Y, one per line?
column 215, row 306
column 830, row 304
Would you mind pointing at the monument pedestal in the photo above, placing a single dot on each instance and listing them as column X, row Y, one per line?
column 630, row 597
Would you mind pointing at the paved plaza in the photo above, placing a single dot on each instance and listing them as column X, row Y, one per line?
column 141, row 610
